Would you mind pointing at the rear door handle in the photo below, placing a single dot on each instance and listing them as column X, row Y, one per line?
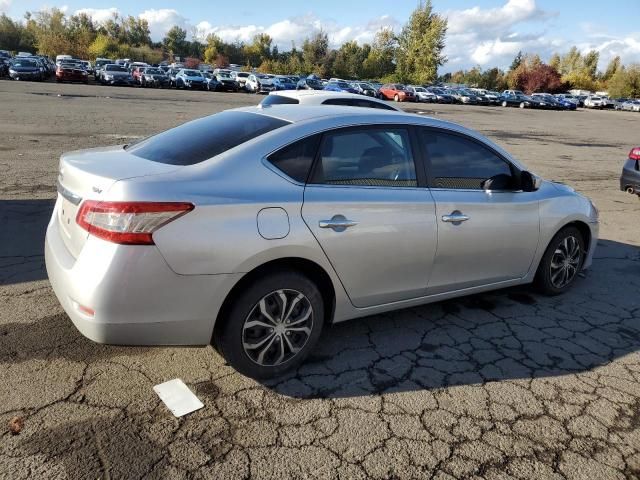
column 338, row 223
column 455, row 217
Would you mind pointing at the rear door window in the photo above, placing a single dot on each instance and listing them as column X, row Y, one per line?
column 379, row 157
column 201, row 139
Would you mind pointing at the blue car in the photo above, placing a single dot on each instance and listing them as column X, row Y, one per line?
column 340, row 87
column 284, row 83
column 23, row 68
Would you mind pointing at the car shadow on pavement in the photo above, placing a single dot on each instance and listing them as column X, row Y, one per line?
column 506, row 334
column 23, row 224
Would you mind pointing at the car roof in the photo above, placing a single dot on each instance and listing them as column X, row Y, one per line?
column 316, row 97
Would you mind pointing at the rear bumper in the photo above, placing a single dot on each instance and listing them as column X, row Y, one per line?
column 137, row 298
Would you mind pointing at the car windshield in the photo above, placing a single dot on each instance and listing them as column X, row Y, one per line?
column 153, row 71
column 224, row 75
column 419, row 89
column 115, row 68
column 24, row 63
column 342, row 84
column 313, row 82
column 242, row 74
column 201, row 139
column 397, row 86
column 192, row 73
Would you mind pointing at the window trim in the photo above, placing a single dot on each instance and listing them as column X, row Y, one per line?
column 421, row 180
column 515, row 171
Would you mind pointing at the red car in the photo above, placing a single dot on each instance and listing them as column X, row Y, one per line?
column 397, row 92
column 71, row 72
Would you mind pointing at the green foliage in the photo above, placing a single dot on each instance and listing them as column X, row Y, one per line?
column 625, row 82
column 104, row 46
column 315, row 54
column 420, row 46
column 491, row 79
column 516, row 62
column 175, row 41
column 15, row 37
column 380, row 61
column 612, row 68
column 258, row 50
column 349, row 60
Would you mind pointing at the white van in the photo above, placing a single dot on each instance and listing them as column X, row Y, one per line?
column 60, row 58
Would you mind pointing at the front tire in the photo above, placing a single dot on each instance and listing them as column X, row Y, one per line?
column 561, row 262
column 396, row 98
column 272, row 325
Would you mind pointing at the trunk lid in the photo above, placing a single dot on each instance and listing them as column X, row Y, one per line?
column 88, row 175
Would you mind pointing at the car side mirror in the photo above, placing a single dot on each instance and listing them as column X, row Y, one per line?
column 501, row 181
column 529, row 182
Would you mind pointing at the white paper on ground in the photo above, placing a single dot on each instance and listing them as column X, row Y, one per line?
column 177, row 397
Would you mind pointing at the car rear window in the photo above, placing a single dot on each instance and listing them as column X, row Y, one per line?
column 279, row 100
column 201, row 139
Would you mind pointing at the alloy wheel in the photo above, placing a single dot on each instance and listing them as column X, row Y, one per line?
column 565, row 262
column 277, row 328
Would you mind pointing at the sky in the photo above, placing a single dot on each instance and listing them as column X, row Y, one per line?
column 487, row 33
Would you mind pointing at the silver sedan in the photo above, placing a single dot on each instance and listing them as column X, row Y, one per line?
column 254, row 228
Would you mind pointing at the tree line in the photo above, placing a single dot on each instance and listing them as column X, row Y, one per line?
column 571, row 70
column 413, row 55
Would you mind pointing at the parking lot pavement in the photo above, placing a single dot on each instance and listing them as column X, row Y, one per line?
column 502, row 385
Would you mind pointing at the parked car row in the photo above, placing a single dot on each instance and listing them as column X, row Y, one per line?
column 205, row 77
column 25, row 66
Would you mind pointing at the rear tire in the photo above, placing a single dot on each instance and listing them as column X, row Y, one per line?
column 396, row 98
column 561, row 262
column 272, row 325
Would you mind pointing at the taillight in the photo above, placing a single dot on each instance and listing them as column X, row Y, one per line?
column 128, row 223
column 634, row 154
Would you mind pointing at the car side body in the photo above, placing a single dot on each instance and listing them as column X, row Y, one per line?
column 407, row 247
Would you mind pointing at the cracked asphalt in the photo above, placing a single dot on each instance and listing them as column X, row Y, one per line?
column 503, row 385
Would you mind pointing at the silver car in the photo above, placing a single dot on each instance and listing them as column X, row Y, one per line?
column 256, row 227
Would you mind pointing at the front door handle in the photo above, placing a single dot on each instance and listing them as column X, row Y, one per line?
column 455, row 217
column 338, row 223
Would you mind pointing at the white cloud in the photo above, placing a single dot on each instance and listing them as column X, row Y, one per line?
column 161, row 20
column 487, row 37
column 99, row 15
column 296, row 29
column 493, row 19
column 628, row 48
column 4, row 5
